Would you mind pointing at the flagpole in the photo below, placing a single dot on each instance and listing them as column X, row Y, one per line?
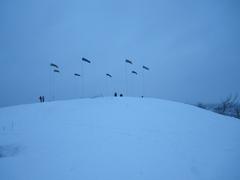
column 89, row 62
column 55, row 70
column 144, row 68
column 126, row 71
column 83, row 93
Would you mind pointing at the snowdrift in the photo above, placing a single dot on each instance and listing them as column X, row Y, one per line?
column 117, row 139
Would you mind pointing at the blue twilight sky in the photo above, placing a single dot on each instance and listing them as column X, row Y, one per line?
column 192, row 48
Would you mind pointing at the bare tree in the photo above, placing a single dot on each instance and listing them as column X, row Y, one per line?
column 227, row 104
column 237, row 111
column 201, row 105
column 230, row 106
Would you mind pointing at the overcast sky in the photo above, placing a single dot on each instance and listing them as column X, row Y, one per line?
column 192, row 48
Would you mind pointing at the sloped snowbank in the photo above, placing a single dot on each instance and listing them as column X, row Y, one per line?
column 117, row 138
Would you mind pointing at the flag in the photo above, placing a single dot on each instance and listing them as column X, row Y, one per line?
column 57, row 71
column 145, row 67
column 86, row 60
column 134, row 72
column 128, row 61
column 109, row 75
column 76, row 74
column 54, row 65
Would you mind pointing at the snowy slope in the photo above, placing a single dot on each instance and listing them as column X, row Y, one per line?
column 117, row 139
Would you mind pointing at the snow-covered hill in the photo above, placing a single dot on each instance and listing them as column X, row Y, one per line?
column 117, row 139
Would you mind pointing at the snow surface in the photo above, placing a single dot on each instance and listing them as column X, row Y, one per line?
column 117, row 139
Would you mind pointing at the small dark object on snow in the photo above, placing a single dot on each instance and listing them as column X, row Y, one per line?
column 115, row 94
column 121, row 95
column 40, row 98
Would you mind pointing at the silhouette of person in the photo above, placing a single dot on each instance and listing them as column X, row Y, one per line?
column 43, row 99
column 40, row 98
column 115, row 94
column 121, row 95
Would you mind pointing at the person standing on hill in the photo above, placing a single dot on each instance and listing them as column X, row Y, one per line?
column 40, row 98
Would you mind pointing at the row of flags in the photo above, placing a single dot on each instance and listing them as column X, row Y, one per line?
column 134, row 72
column 56, row 67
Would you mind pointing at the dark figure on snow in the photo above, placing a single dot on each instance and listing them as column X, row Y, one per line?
column 121, row 95
column 40, row 98
column 115, row 94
